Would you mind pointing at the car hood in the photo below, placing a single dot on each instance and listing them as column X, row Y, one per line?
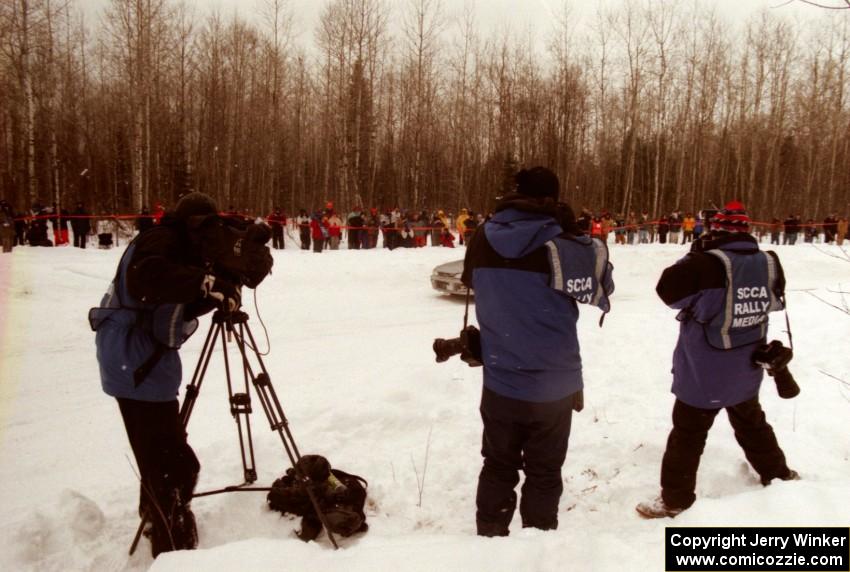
column 454, row 267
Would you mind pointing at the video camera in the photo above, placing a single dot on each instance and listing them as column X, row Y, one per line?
column 567, row 218
column 467, row 344
column 774, row 358
column 236, row 249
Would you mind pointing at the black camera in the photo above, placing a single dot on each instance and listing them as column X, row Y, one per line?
column 774, row 358
column 468, row 345
column 236, row 249
column 567, row 219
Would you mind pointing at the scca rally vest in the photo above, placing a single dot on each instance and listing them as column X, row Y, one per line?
column 751, row 282
column 581, row 270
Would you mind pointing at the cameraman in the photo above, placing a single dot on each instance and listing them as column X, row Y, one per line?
column 725, row 288
column 160, row 288
column 532, row 366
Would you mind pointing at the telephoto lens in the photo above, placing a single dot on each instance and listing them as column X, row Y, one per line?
column 444, row 349
column 785, row 384
column 774, row 358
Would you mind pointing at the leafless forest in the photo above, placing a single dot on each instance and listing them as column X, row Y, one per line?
column 643, row 105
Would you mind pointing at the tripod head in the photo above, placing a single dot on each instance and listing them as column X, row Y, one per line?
column 223, row 317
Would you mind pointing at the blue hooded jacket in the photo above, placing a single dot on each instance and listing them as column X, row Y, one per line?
column 529, row 344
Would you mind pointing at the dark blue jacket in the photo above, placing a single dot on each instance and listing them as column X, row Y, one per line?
column 150, row 306
column 705, row 375
column 529, row 344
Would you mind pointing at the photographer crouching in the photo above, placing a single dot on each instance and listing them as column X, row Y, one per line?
column 188, row 265
column 724, row 288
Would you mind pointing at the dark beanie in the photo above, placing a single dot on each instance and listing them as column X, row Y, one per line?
column 732, row 217
column 195, row 204
column 538, row 182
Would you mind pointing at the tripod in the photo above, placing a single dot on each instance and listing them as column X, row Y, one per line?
column 230, row 326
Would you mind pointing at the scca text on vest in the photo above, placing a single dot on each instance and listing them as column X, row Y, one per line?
column 578, row 285
column 752, row 292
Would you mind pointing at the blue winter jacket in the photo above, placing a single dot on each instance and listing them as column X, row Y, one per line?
column 530, row 349
column 704, row 374
column 150, row 306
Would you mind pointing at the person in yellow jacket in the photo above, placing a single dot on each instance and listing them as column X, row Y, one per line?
column 688, row 225
column 460, row 224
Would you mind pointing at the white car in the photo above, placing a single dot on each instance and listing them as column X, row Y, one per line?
column 445, row 278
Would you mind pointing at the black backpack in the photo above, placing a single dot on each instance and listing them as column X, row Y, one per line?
column 340, row 495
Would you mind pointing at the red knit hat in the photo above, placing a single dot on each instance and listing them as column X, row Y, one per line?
column 732, row 217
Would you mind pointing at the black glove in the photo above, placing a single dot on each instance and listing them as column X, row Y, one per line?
column 229, row 297
column 578, row 401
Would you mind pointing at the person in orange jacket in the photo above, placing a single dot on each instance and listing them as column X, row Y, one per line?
column 460, row 224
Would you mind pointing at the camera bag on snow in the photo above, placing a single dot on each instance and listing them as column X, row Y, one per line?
column 340, row 495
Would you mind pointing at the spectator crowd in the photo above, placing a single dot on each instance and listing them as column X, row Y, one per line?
column 366, row 228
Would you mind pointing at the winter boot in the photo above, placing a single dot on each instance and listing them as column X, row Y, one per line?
column 160, row 538
column 179, row 532
column 791, row 476
column 657, row 508
column 184, row 531
column 492, row 529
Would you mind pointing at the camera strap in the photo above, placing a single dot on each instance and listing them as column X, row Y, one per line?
column 788, row 324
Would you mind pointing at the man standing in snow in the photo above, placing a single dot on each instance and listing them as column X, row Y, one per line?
column 7, row 226
column 529, row 349
column 81, row 225
column 277, row 220
column 150, row 309
column 724, row 289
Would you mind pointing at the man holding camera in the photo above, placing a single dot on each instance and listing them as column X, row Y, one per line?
column 530, row 354
column 163, row 283
column 724, row 288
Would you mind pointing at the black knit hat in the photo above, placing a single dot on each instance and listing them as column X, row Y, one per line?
column 195, row 204
column 538, row 182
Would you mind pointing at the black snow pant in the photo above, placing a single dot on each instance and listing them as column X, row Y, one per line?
column 169, row 471
column 80, row 239
column 527, row 436
column 687, row 442
column 277, row 237
column 353, row 239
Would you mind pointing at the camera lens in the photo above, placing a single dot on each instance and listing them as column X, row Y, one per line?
column 444, row 349
column 785, row 384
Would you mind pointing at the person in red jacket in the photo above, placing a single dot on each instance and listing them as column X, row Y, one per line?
column 447, row 238
column 318, row 231
column 334, row 231
column 158, row 212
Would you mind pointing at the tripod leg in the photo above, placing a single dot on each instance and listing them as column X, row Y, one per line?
column 277, row 419
column 194, row 387
column 138, row 535
column 240, row 409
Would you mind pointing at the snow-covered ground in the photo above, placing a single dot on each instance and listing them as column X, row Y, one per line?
column 351, row 360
